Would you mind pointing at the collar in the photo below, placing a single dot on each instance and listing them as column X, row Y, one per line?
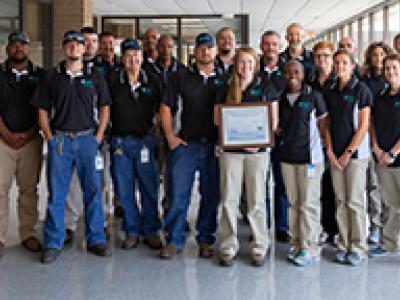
column 123, row 77
column 195, row 70
column 349, row 86
column 62, row 70
column 173, row 67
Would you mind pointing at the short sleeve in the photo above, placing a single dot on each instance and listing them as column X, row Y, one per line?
column 42, row 96
column 172, row 91
column 365, row 96
column 102, row 89
column 270, row 92
column 320, row 105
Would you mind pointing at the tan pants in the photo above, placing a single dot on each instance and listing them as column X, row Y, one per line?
column 351, row 211
column 375, row 205
column 389, row 179
column 25, row 164
column 304, row 190
column 252, row 168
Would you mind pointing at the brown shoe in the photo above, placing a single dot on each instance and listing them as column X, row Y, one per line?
column 153, row 242
column 206, row 251
column 32, row 244
column 169, row 251
column 130, row 242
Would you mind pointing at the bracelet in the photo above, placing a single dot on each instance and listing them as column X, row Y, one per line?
column 350, row 151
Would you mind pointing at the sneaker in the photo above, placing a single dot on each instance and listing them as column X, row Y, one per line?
column 304, row 259
column 257, row 257
column 378, row 252
column 340, row 257
column 226, row 258
column 374, row 237
column 292, row 253
column 354, row 259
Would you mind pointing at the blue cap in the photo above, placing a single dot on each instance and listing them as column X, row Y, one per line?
column 18, row 36
column 130, row 44
column 73, row 35
column 205, row 38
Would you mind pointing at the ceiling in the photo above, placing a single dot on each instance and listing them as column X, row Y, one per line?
column 315, row 15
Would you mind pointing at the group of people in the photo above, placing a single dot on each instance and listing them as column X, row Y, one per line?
column 101, row 114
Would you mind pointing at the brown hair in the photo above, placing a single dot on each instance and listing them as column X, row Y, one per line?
column 235, row 93
column 324, row 45
column 345, row 52
column 368, row 68
column 391, row 57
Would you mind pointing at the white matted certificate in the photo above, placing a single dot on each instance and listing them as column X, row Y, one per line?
column 245, row 125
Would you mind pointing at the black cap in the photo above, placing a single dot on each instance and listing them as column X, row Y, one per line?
column 130, row 44
column 205, row 38
column 73, row 35
column 18, row 36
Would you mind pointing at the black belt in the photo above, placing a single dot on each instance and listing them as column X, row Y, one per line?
column 74, row 134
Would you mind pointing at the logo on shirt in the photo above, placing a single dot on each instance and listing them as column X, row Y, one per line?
column 218, row 82
column 33, row 79
column 147, row 90
column 349, row 98
column 397, row 104
column 256, row 92
column 304, row 105
column 308, row 65
column 87, row 83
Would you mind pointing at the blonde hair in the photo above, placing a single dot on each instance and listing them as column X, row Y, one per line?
column 235, row 92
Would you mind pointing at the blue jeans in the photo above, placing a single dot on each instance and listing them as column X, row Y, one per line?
column 65, row 153
column 281, row 200
column 184, row 162
column 130, row 167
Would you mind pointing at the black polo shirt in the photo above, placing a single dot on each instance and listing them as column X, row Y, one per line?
column 343, row 107
column 298, row 124
column 223, row 68
column 72, row 102
column 133, row 108
column 16, row 92
column 386, row 119
column 275, row 75
column 192, row 96
column 376, row 84
column 306, row 59
column 328, row 84
column 103, row 66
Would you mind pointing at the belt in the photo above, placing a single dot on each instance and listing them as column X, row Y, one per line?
column 74, row 134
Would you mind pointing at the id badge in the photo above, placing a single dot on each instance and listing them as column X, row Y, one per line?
column 310, row 170
column 144, row 155
column 217, row 151
column 99, row 162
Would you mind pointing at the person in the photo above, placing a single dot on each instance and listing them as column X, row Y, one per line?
column 302, row 111
column 191, row 139
column 135, row 97
column 150, row 41
column 73, row 207
column 322, row 81
column 226, row 46
column 385, row 133
column 73, row 108
column 349, row 44
column 372, row 75
column 396, row 43
column 248, row 165
column 295, row 37
column 347, row 148
column 20, row 142
column 271, row 68
column 106, row 60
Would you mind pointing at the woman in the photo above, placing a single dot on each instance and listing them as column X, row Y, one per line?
column 374, row 79
column 248, row 165
column 301, row 111
column 385, row 133
column 347, row 145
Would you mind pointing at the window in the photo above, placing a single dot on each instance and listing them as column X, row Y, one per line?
column 9, row 21
column 394, row 22
column 377, row 26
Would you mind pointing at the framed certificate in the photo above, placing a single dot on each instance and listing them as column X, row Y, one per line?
column 245, row 125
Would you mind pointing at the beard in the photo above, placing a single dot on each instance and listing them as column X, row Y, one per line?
column 73, row 58
column 225, row 51
column 295, row 45
column 18, row 60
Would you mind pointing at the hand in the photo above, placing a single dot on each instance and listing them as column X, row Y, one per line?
column 174, row 141
column 379, row 153
column 387, row 159
column 99, row 138
column 344, row 159
column 15, row 140
column 251, row 150
column 334, row 161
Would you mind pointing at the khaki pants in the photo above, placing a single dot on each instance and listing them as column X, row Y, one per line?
column 389, row 179
column 252, row 168
column 351, row 212
column 25, row 164
column 304, row 191
column 375, row 205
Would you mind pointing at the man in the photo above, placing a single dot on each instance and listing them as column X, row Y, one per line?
column 396, row 43
column 106, row 59
column 73, row 108
column 74, row 200
column 20, row 142
column 150, row 40
column 295, row 36
column 226, row 45
column 135, row 97
column 348, row 43
column 192, row 144
column 271, row 66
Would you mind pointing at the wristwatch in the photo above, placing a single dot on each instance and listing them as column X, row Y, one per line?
column 392, row 155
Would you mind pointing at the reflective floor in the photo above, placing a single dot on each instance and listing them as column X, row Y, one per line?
column 140, row 274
